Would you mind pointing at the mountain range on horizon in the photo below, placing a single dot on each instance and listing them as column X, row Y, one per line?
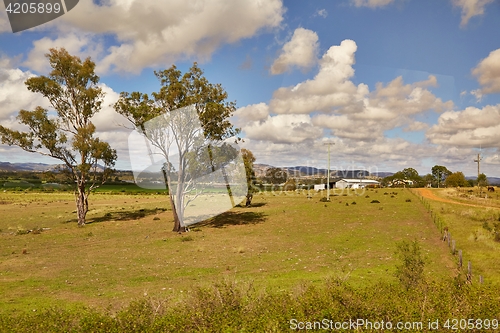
column 260, row 170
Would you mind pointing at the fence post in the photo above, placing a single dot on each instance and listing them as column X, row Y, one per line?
column 459, row 258
column 481, row 279
column 453, row 246
column 469, row 271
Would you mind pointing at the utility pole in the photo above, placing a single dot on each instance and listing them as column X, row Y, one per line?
column 478, row 160
column 328, row 171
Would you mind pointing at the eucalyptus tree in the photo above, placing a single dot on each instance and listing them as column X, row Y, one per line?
column 65, row 131
column 188, row 117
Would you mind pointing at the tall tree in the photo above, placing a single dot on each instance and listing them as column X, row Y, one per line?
column 73, row 92
column 482, row 181
column 249, row 159
column 167, row 126
column 440, row 173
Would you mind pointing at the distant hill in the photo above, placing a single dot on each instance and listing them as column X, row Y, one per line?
column 31, row 167
column 308, row 171
column 491, row 180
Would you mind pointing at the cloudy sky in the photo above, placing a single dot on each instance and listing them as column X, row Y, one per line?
column 393, row 83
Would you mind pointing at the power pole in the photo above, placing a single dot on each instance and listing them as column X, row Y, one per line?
column 478, row 161
column 328, row 171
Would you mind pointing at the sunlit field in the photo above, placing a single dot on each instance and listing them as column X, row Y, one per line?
column 127, row 251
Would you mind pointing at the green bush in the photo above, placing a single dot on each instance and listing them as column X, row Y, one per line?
column 238, row 307
column 411, row 270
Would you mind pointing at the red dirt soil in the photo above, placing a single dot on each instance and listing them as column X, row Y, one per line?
column 428, row 194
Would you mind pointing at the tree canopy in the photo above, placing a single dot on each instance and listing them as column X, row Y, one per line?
column 167, row 123
column 276, row 176
column 440, row 173
column 73, row 93
column 456, row 179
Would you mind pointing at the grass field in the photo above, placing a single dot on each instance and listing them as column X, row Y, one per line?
column 127, row 250
column 474, row 223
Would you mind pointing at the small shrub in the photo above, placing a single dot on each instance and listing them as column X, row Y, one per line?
column 486, row 226
column 411, row 270
column 324, row 199
column 156, row 218
column 353, row 203
column 374, row 201
column 347, row 204
column 408, row 200
column 187, row 239
column 367, row 196
column 497, row 237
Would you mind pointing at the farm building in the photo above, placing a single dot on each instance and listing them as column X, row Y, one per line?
column 319, row 187
column 356, row 183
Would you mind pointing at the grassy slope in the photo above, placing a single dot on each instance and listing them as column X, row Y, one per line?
column 466, row 225
column 127, row 253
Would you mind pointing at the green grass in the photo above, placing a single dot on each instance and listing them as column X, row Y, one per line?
column 125, row 253
column 472, row 228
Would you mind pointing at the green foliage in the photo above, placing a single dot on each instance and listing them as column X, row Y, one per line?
column 411, row 269
column 73, row 93
column 456, row 179
column 239, row 307
column 440, row 173
column 188, row 91
column 276, row 176
column 290, row 185
column 482, row 180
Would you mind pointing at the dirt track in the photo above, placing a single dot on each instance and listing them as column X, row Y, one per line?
column 428, row 194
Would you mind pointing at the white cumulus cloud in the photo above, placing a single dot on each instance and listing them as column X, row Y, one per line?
column 330, row 88
column 252, row 113
column 472, row 127
column 470, row 8
column 488, row 74
column 301, row 51
column 284, row 129
column 149, row 33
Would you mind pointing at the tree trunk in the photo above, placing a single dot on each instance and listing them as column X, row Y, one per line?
column 177, row 222
column 249, row 199
column 82, row 204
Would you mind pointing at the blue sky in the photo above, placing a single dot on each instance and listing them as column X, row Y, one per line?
column 394, row 83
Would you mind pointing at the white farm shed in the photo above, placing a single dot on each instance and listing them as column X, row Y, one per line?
column 356, row 183
column 319, row 187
